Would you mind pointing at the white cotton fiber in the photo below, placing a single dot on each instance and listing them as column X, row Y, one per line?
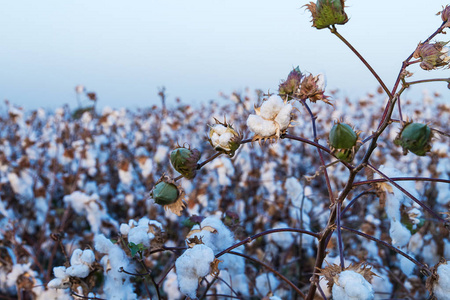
column 271, row 107
column 442, row 287
column 260, row 126
column 193, row 264
column 352, row 286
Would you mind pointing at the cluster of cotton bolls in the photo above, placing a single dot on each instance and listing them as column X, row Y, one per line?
column 87, row 181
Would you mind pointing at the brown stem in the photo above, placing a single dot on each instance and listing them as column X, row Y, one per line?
column 325, row 172
column 401, row 179
column 427, row 80
column 368, row 66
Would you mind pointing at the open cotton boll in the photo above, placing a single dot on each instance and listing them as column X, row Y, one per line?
column 61, row 281
column 222, row 139
column 219, row 129
column 139, row 235
column 81, row 271
column 271, row 107
column 284, row 117
column 261, row 126
column 352, row 286
column 441, row 288
column 218, row 240
column 193, row 264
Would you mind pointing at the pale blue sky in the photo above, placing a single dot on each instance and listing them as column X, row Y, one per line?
column 124, row 51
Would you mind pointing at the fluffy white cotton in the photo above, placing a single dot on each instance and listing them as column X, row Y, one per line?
column 117, row 284
column 274, row 116
column 271, row 107
column 399, row 233
column 218, row 238
column 266, row 282
column 193, row 264
column 62, row 279
column 17, row 270
column 140, row 232
column 284, row 116
column 442, row 287
column 282, row 239
column 320, row 81
column 80, row 263
column 91, row 206
column 221, row 136
column 352, row 286
column 260, row 126
column 170, row 286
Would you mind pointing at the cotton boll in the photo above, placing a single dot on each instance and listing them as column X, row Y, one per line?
column 442, row 286
column 260, row 126
column 88, row 257
column 75, row 258
column 193, row 264
column 139, row 235
column 124, row 229
column 382, row 284
column 284, row 117
column 430, row 253
column 81, row 271
column 60, row 272
column 352, row 286
column 415, row 243
column 271, row 107
column 219, row 240
column 102, row 244
column 294, row 191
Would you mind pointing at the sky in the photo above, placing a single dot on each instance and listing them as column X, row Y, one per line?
column 126, row 50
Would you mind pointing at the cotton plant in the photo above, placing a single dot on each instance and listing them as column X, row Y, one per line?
column 319, row 188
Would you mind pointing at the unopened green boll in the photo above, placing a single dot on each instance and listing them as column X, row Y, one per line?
column 185, row 160
column 415, row 137
column 342, row 136
column 165, row 193
column 326, row 13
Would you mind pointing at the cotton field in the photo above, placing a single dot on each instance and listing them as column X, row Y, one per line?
column 79, row 219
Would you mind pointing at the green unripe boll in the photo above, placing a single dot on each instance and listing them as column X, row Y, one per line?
column 342, row 136
column 165, row 193
column 185, row 160
column 328, row 12
column 415, row 137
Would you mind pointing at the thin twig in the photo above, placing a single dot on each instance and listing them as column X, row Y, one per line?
column 368, row 66
column 339, row 239
column 272, row 270
column 367, row 236
column 429, row 210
